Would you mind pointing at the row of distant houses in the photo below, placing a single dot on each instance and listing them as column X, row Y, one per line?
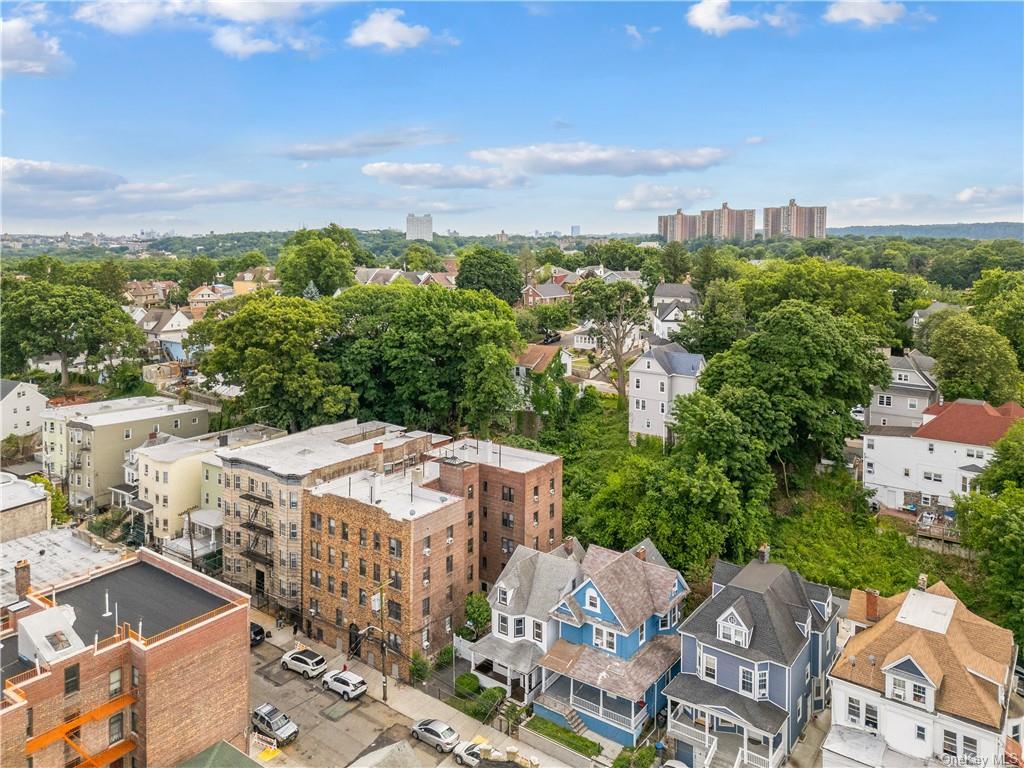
column 597, row 642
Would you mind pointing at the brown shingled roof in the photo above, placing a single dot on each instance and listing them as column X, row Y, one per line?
column 959, row 660
column 538, row 357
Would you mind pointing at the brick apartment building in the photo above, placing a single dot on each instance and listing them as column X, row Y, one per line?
column 794, row 220
column 160, row 676
column 366, row 529
column 263, row 499
column 516, row 493
column 432, row 532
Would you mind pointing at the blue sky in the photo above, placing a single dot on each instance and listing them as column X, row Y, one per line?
column 200, row 115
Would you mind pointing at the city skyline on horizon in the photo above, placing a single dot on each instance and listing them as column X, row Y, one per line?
column 237, row 116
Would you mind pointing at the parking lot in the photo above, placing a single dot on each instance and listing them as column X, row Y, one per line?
column 332, row 732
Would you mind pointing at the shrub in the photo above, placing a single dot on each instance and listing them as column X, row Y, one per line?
column 467, row 684
column 445, row 657
column 487, row 702
column 466, row 632
column 419, row 667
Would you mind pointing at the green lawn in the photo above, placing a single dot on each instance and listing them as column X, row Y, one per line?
column 564, row 736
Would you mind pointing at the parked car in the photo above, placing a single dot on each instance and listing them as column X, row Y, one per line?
column 550, row 337
column 256, row 634
column 308, row 663
column 467, row 753
column 274, row 724
column 348, row 684
column 436, row 733
column 857, row 412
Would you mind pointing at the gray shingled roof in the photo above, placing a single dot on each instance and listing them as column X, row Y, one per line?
column 665, row 309
column 674, row 359
column 683, row 291
column 550, row 290
column 536, row 581
column 6, row 387
column 635, row 589
column 763, row 715
column 521, row 655
column 771, row 595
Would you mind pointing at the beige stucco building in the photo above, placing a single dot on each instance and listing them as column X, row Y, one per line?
column 24, row 507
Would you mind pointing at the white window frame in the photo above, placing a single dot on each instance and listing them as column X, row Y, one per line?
column 643, row 632
column 885, row 401
column 605, row 638
column 503, row 624
column 709, row 663
column 762, row 683
column 747, row 678
column 593, row 601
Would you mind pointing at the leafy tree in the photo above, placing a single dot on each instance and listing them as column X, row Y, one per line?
column 994, row 525
column 419, row 667
column 974, row 360
column 41, row 318
column 710, row 263
column 923, row 333
column 526, row 262
column 420, row 257
column 616, row 311
column 675, row 262
column 722, row 320
column 1007, row 464
column 425, row 356
column 318, row 259
column 478, row 611
column 109, row 278
column 813, row 367
column 58, row 501
column 200, row 270
column 527, row 324
column 998, row 300
column 270, row 347
column 487, row 269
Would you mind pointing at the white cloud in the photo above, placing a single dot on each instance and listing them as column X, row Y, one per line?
column 42, row 175
column 586, row 159
column 27, row 51
column 1009, row 193
column 254, row 11
column 712, row 17
column 755, row 140
column 783, row 17
column 865, row 13
column 122, row 18
column 241, row 42
column 438, row 176
column 366, row 144
column 640, row 37
column 384, row 27
column 656, row 197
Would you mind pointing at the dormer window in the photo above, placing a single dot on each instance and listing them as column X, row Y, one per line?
column 502, row 596
column 730, row 633
column 593, row 603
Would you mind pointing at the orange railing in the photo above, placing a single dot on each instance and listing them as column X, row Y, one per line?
column 16, row 680
column 185, row 624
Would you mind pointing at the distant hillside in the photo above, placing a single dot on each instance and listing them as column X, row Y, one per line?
column 992, row 230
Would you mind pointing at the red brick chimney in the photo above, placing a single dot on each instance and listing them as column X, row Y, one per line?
column 567, row 544
column 22, row 578
column 763, row 552
column 641, row 552
column 871, row 604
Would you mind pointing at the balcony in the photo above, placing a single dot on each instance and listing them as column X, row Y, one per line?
column 735, row 749
column 259, row 556
column 593, row 701
column 259, row 524
column 254, row 497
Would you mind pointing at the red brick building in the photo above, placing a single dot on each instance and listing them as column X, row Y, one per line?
column 144, row 662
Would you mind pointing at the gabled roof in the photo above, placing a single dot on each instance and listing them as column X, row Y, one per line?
column 675, row 360
column 963, row 653
column 537, row 357
column 634, row 588
column 535, row 581
column 667, row 308
column 7, row 386
column 972, row 422
column 549, row 290
column 770, row 595
column 682, row 291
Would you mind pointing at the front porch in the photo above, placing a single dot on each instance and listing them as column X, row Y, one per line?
column 626, row 717
column 508, row 679
column 707, row 740
column 511, row 665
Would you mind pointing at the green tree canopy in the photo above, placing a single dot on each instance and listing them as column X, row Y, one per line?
column 200, row 270
column 974, row 361
column 270, row 348
column 42, row 318
column 420, row 257
column 616, row 310
column 315, row 258
column 813, row 368
column 483, row 269
column 1007, row 464
column 721, row 320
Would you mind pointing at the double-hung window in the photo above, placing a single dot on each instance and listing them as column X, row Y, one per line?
column 710, row 668
column 747, row 681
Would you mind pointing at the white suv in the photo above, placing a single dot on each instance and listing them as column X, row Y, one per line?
column 348, row 684
column 309, row 663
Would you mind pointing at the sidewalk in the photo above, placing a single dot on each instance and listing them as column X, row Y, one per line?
column 404, row 698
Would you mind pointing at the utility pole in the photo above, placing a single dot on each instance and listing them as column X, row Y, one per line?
column 383, row 639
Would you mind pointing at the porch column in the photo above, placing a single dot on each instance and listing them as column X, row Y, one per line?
column 707, row 724
column 600, row 700
column 746, row 754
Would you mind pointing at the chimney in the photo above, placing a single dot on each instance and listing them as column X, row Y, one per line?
column 922, row 581
column 763, row 552
column 22, row 579
column 417, row 475
column 378, row 450
column 152, row 435
column 222, row 440
column 641, row 553
column 567, row 544
column 871, row 604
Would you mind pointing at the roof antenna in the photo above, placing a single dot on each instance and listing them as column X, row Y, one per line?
column 106, row 603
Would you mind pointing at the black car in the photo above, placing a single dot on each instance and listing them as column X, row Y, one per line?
column 552, row 336
column 256, row 634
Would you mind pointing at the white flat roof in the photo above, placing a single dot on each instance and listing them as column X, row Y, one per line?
column 54, row 556
column 494, row 454
column 137, row 414
column 66, row 412
column 304, row 452
column 17, row 493
column 397, row 494
column 173, row 450
column 926, row 611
